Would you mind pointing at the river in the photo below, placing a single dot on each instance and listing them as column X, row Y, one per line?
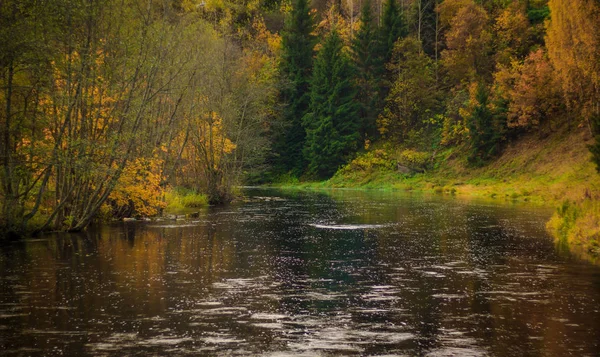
column 293, row 273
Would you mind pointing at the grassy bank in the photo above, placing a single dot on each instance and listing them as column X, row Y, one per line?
column 553, row 171
column 180, row 201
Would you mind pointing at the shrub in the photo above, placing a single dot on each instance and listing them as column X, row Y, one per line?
column 370, row 160
column 416, row 160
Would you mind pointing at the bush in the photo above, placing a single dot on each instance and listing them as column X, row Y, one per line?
column 375, row 159
column 416, row 160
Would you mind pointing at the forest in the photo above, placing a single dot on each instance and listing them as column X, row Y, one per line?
column 109, row 106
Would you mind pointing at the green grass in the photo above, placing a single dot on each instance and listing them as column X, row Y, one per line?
column 577, row 226
column 180, row 200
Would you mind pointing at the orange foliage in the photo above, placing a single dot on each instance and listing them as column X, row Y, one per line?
column 534, row 96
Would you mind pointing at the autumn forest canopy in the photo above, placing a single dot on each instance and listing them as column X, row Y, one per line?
column 107, row 105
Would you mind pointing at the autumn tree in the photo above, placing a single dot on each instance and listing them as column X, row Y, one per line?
column 534, row 97
column 101, row 109
column 26, row 54
column 512, row 33
column 413, row 99
column 467, row 40
column 573, row 41
column 332, row 122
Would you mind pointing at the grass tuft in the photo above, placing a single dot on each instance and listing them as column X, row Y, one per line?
column 178, row 199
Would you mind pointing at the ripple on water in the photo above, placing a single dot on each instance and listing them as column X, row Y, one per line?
column 348, row 226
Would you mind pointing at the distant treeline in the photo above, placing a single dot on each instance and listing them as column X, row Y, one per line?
column 426, row 74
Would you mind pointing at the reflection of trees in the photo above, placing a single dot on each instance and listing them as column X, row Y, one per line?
column 150, row 265
column 71, row 280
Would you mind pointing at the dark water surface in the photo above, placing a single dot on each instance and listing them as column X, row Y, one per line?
column 305, row 274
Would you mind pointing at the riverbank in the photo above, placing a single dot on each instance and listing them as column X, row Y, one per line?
column 553, row 171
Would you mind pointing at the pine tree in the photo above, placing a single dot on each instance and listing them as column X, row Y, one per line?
column 296, row 67
column 369, row 69
column 332, row 122
column 392, row 28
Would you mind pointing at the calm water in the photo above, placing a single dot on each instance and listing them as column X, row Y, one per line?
column 305, row 274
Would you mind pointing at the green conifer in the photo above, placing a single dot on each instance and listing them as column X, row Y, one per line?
column 369, row 70
column 482, row 129
column 332, row 122
column 392, row 28
column 298, row 44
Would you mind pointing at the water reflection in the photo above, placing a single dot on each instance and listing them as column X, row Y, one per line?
column 305, row 274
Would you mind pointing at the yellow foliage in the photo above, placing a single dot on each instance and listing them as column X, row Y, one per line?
column 263, row 35
column 414, row 159
column 578, row 225
column 211, row 141
column 139, row 187
column 332, row 18
column 467, row 38
column 372, row 159
column 573, row 42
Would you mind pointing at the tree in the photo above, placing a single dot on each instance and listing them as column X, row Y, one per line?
column 484, row 136
column 296, row 67
column 512, row 33
column 467, row 40
column 573, row 42
column 392, row 28
column 368, row 69
column 413, row 98
column 424, row 23
column 332, row 122
column 535, row 97
column 100, row 99
column 26, row 28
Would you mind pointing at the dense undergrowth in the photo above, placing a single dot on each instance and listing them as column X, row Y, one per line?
column 553, row 171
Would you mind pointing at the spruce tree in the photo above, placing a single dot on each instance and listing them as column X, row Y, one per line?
column 482, row 131
column 368, row 69
column 332, row 122
column 392, row 28
column 297, row 43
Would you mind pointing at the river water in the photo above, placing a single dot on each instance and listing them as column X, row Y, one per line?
column 305, row 274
